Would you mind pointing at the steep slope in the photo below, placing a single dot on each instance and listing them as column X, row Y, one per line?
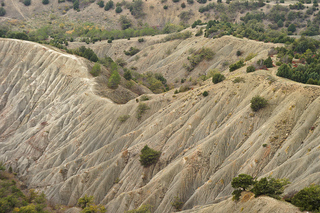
column 63, row 139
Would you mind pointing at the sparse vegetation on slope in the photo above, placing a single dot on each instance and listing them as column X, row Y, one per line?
column 149, row 156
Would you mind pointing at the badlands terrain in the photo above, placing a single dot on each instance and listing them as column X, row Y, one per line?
column 62, row 137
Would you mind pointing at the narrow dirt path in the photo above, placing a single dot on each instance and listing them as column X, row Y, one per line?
column 17, row 8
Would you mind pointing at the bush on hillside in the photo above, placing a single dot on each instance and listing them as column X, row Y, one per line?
column 236, row 65
column 2, row 11
column 251, row 69
column 149, row 156
column 27, row 2
column 269, row 186
column 308, row 199
column 95, row 71
column 218, row 77
column 258, row 103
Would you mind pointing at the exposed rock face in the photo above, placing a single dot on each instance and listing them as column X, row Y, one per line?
column 62, row 138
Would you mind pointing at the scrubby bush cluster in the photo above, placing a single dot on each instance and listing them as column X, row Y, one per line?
column 236, row 65
column 149, row 156
column 258, row 102
column 84, row 52
column 265, row 186
column 132, row 51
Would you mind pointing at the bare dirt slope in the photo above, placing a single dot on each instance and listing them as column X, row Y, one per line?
column 62, row 138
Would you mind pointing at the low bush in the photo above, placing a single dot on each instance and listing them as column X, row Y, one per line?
column 132, row 51
column 251, row 69
column 149, row 156
column 236, row 65
column 205, row 93
column 123, row 118
column 269, row 186
column 27, row 2
column 258, row 103
column 144, row 98
column 308, row 199
column 95, row 71
column 218, row 77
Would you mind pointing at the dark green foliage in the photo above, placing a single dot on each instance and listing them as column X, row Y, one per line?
column 269, row 186
column 27, row 2
column 175, row 36
column 216, row 78
column 243, row 182
column 148, row 156
column 127, row 74
column 190, row 1
column 239, row 53
column 296, row 6
column 2, row 4
column 45, row 1
column 236, row 65
column 251, row 69
column 85, row 201
column 76, row 5
column 85, row 52
column 292, row 28
column 132, row 51
column 199, row 33
column 236, row 194
column 123, row 118
column 144, row 98
column 140, row 40
column 101, row 3
column 142, row 209
column 205, row 93
column 165, row 7
column 268, row 62
column 308, row 199
column 118, row 9
column 175, row 1
column 109, row 5
column 109, row 41
column 280, row 23
column 284, row 71
column 114, row 79
column 258, row 103
column 183, row 5
column 238, row 80
column 95, row 71
column 202, row 1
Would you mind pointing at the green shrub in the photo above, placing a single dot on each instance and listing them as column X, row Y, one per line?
column 85, row 201
column 284, row 71
column 236, row 65
column 198, row 56
column 123, row 118
column 268, row 62
column 142, row 108
column 251, row 69
column 132, row 51
column 218, row 77
column 76, row 5
column 27, row 2
column 101, row 3
column 2, row 11
column 165, row 7
column 308, row 199
column 140, row 40
column 114, row 79
column 45, row 2
column 190, row 1
column 95, row 71
column 241, row 183
column 269, row 186
column 183, row 5
column 239, row 53
column 121, row 62
column 250, row 56
column 109, row 5
column 177, row 203
column 205, row 93
column 118, row 9
column 109, row 40
column 127, row 74
column 258, row 102
column 149, row 156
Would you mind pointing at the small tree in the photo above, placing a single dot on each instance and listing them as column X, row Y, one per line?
column 251, row 69
column 268, row 62
column 114, row 80
column 45, row 2
column 101, row 3
column 95, row 70
column 258, row 102
column 308, row 199
column 85, row 201
column 292, row 28
column 109, row 5
column 241, row 183
column 2, row 11
column 218, row 77
column 149, row 156
column 142, row 108
column 118, row 9
column 270, row 186
column 127, row 74
column 76, row 5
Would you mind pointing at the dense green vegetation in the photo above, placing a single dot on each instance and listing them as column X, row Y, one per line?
column 265, row 186
column 88, row 206
column 258, row 102
column 308, row 199
column 218, row 77
column 12, row 199
column 149, row 156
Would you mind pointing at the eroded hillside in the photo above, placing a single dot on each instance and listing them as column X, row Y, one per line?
column 64, row 139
